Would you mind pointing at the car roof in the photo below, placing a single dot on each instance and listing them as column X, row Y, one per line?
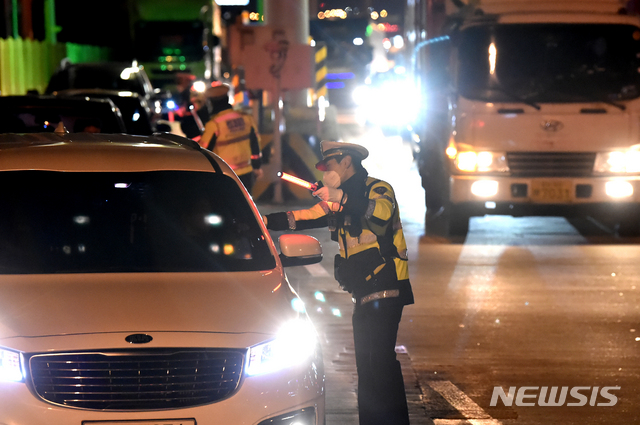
column 106, row 152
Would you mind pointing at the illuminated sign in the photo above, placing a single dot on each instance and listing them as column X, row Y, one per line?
column 232, row 2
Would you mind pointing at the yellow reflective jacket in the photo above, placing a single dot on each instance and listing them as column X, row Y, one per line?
column 376, row 225
column 228, row 134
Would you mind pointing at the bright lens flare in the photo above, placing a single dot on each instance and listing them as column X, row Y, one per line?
column 618, row 189
column 294, row 344
column 10, row 369
column 467, row 161
column 493, row 53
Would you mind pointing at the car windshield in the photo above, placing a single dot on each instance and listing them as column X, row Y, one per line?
column 95, row 222
column 550, row 62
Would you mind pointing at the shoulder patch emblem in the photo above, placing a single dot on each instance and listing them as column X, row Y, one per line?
column 380, row 190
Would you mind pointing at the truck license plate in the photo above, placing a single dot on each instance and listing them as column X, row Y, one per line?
column 550, row 191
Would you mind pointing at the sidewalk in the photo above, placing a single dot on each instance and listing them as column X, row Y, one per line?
column 330, row 309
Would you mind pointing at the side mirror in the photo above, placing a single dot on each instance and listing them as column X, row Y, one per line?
column 299, row 250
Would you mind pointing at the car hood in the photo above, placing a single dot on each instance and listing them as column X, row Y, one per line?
column 38, row 306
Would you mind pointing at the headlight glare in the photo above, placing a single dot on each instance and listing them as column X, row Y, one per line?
column 294, row 344
column 618, row 189
column 471, row 161
column 10, row 367
column 617, row 162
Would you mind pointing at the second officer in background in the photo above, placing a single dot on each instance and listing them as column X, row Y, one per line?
column 232, row 135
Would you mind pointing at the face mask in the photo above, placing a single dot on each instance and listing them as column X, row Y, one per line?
column 331, row 179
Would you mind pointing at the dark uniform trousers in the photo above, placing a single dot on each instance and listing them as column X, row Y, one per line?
column 381, row 395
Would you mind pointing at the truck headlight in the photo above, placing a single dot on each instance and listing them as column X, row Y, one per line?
column 617, row 162
column 294, row 344
column 471, row 161
column 10, row 366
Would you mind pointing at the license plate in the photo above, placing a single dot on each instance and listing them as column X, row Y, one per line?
column 550, row 191
column 146, row 422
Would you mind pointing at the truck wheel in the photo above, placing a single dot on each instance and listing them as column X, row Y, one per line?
column 629, row 227
column 458, row 222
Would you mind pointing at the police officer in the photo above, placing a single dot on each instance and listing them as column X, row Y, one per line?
column 363, row 217
column 232, row 135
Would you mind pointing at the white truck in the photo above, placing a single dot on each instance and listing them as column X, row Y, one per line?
column 538, row 112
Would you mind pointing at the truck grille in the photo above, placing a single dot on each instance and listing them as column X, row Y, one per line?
column 551, row 164
column 137, row 380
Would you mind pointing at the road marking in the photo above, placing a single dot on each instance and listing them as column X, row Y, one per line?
column 317, row 270
column 462, row 403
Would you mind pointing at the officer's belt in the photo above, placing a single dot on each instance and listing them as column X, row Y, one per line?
column 389, row 293
column 360, row 240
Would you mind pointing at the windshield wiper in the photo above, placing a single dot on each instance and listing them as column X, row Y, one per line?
column 516, row 97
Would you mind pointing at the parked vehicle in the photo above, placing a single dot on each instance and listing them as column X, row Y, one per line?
column 36, row 114
column 530, row 108
column 126, row 77
column 140, row 286
column 133, row 107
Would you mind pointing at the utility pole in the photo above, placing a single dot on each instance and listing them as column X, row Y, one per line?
column 292, row 18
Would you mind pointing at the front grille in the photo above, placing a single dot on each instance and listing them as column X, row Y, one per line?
column 551, row 164
column 137, row 380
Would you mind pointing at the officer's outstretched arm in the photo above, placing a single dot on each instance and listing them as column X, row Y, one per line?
column 310, row 218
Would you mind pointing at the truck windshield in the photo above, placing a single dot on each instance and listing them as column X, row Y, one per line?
column 97, row 222
column 550, row 62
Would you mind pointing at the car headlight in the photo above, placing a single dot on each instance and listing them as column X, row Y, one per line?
column 361, row 95
column 471, row 161
column 294, row 344
column 617, row 162
column 10, row 366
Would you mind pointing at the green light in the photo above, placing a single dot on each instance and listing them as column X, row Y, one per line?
column 163, row 67
column 182, row 58
column 161, row 59
column 177, row 51
column 369, row 30
column 167, row 52
column 183, row 67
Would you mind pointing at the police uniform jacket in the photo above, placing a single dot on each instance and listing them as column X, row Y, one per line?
column 372, row 263
column 232, row 136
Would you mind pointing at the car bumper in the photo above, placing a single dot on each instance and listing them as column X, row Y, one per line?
column 544, row 196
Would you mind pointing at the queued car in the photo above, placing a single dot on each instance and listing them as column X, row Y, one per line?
column 134, row 108
column 124, row 77
column 41, row 114
column 140, row 286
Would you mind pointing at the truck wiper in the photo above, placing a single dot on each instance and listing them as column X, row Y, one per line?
column 515, row 97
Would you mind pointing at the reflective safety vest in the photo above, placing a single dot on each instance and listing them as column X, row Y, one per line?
column 381, row 228
column 230, row 132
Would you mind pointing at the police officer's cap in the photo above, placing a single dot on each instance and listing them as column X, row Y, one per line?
column 331, row 149
column 217, row 91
